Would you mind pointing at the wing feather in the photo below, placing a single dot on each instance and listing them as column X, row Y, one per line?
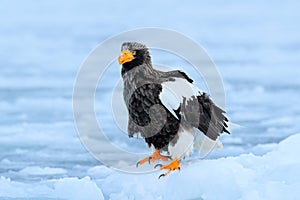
column 196, row 108
column 174, row 92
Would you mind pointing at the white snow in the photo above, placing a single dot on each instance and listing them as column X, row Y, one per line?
column 273, row 175
column 65, row 188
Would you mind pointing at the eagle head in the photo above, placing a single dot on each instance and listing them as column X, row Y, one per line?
column 133, row 54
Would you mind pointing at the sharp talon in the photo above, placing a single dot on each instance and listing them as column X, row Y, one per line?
column 137, row 164
column 162, row 175
column 158, row 165
column 174, row 165
column 169, row 157
column 149, row 159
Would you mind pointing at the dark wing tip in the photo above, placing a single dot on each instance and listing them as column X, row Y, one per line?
column 225, row 130
column 186, row 76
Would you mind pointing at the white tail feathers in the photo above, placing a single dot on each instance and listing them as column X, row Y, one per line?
column 233, row 126
column 205, row 145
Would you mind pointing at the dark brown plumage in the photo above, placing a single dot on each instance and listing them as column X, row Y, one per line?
column 166, row 108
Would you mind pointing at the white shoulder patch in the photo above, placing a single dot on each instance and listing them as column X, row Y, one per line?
column 173, row 92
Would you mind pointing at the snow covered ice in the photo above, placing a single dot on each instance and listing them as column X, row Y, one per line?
column 255, row 46
column 274, row 175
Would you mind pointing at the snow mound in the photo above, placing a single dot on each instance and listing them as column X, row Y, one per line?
column 65, row 188
column 274, row 175
column 74, row 188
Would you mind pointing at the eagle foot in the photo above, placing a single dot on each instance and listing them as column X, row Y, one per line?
column 155, row 156
column 174, row 165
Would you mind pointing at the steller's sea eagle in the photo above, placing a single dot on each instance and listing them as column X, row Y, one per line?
column 167, row 109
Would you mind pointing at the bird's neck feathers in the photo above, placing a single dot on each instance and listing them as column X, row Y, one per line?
column 142, row 61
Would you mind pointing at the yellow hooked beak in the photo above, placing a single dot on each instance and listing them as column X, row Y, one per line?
column 126, row 56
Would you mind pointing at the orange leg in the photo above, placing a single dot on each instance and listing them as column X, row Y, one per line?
column 155, row 156
column 173, row 165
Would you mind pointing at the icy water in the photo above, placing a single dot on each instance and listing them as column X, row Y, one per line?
column 255, row 46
